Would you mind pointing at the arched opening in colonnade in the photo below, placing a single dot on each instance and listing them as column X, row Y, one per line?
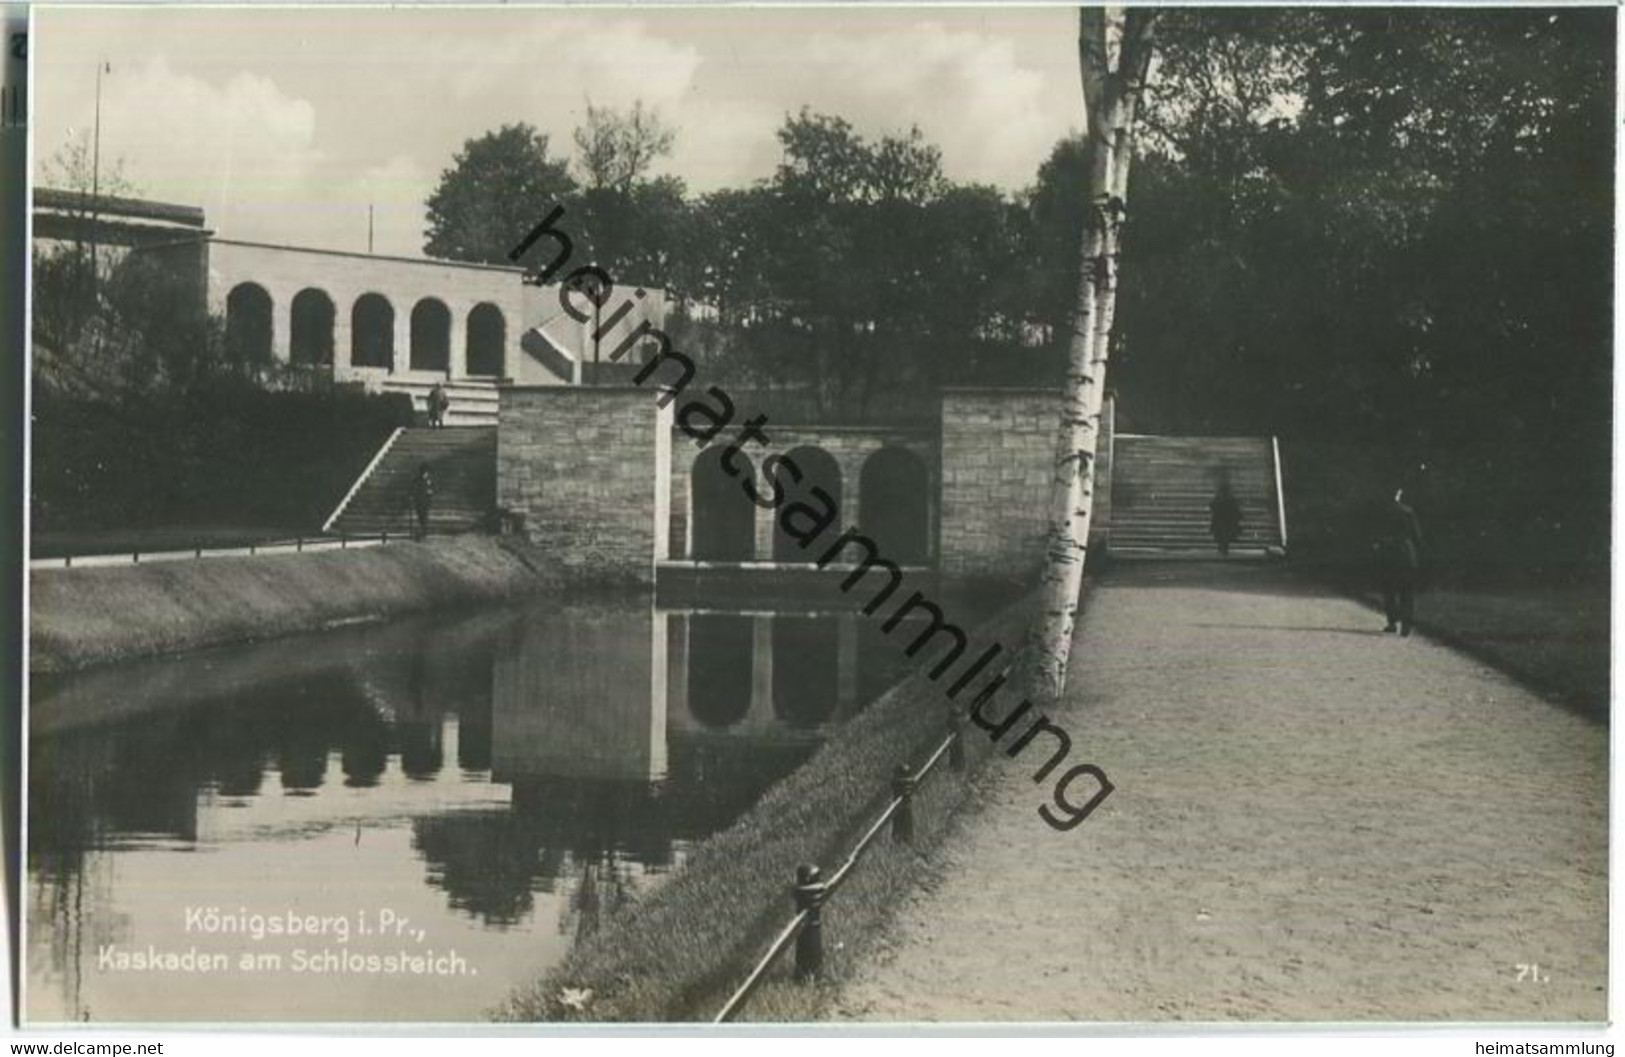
column 894, row 502
column 487, row 341
column 248, row 323
column 372, row 332
column 310, row 330
column 431, row 336
column 818, row 469
column 723, row 518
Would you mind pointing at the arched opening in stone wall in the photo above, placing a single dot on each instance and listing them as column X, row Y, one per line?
column 723, row 516
column 487, row 339
column 818, row 469
column 372, row 332
column 720, row 648
column 431, row 336
column 310, row 331
column 806, row 669
column 248, row 323
column 894, row 505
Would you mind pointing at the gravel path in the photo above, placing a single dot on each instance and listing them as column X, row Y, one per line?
column 1312, row 821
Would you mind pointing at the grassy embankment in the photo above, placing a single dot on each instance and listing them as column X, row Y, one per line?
column 676, row 953
column 1516, row 570
column 86, row 616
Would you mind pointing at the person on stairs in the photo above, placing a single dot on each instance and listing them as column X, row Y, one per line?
column 1224, row 517
column 438, row 403
column 422, row 497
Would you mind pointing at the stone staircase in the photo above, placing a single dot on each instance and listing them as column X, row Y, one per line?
column 462, row 463
column 1161, row 488
column 473, row 400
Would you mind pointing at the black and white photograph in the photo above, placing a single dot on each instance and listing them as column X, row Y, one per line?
column 841, row 516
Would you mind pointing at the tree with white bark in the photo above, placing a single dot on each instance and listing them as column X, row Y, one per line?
column 1114, row 56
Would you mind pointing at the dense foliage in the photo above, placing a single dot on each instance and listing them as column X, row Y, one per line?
column 1381, row 231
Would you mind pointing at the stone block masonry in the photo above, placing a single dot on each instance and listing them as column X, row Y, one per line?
column 587, row 469
column 998, row 452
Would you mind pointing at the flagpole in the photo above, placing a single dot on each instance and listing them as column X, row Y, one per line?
column 96, row 183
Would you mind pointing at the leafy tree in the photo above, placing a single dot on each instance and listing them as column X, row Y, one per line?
column 497, row 188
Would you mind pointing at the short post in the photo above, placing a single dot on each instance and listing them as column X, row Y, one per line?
column 67, row 561
column 956, row 747
column 299, row 543
column 386, row 537
column 199, row 551
column 809, row 893
column 344, row 541
column 135, row 557
column 251, row 549
column 902, row 822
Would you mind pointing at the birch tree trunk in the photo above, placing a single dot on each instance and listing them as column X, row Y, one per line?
column 1111, row 96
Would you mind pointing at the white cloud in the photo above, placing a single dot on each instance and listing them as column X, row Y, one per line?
column 235, row 148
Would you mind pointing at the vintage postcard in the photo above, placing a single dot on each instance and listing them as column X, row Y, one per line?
column 835, row 515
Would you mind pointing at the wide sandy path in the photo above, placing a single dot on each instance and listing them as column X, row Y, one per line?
column 1312, row 821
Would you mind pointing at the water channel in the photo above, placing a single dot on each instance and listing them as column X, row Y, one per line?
column 401, row 822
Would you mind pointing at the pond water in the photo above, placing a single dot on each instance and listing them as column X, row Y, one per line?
column 401, row 822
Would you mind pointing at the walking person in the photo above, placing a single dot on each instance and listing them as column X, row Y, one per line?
column 1399, row 563
column 1224, row 517
column 422, row 498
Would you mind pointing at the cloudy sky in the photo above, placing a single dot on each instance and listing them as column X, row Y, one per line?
column 284, row 124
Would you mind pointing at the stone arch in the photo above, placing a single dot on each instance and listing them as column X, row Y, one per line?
column 310, row 327
column 372, row 332
column 720, row 648
column 722, row 514
column 487, row 341
column 248, row 323
column 806, row 672
column 894, row 496
column 818, row 468
column 431, row 336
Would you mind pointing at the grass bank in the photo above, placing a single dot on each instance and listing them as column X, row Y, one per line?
column 86, row 616
column 1552, row 634
column 677, row 952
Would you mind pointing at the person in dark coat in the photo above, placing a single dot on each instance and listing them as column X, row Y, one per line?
column 438, row 403
column 1399, row 562
column 1224, row 518
column 422, row 498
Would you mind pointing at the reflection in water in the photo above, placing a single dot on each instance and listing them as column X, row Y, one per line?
column 505, row 780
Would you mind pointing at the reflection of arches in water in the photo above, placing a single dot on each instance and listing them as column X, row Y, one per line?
column 724, row 516
column 719, row 668
column 364, row 749
column 474, row 739
column 422, row 754
column 806, row 685
column 894, row 498
column 818, row 468
column 302, row 760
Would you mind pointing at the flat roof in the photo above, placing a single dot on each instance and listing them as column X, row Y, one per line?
column 506, row 269
column 113, row 205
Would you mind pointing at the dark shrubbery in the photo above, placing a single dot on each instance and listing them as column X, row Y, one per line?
column 224, row 451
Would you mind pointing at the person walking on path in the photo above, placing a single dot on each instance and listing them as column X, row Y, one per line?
column 1399, row 563
column 438, row 403
column 1224, row 518
column 422, row 498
